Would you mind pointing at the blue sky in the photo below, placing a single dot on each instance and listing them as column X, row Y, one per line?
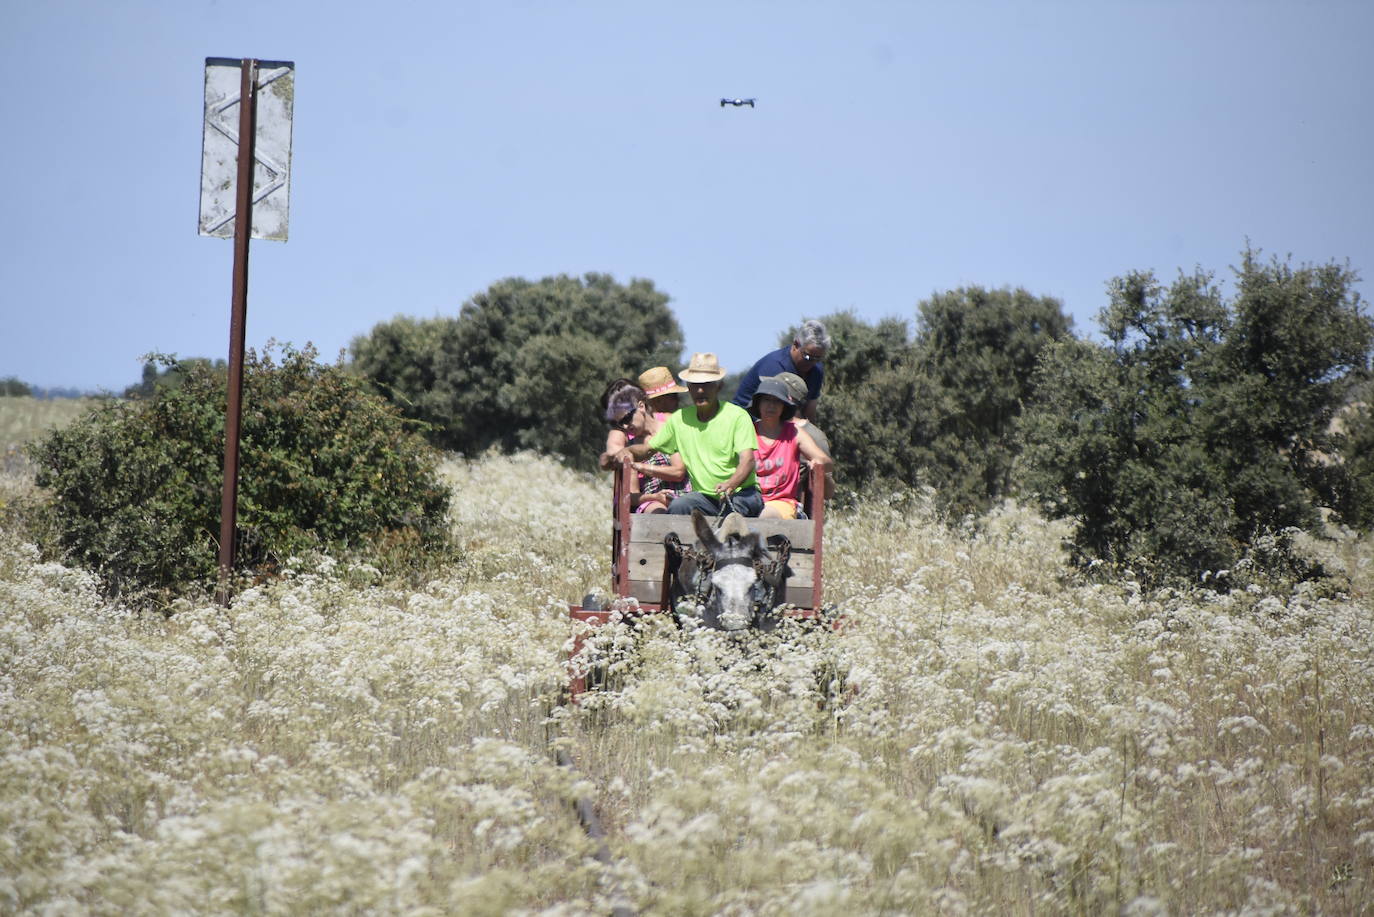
column 898, row 149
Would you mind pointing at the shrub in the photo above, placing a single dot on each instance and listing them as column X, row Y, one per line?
column 13, row 386
column 1202, row 429
column 1355, row 503
column 324, row 465
column 524, row 363
column 939, row 410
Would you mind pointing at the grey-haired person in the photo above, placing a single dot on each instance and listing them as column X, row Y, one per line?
column 804, row 357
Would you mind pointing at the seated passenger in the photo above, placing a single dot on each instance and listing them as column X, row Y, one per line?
column 616, row 440
column 659, row 387
column 662, row 390
column 661, row 477
column 804, row 358
column 716, row 441
column 796, row 386
column 781, row 447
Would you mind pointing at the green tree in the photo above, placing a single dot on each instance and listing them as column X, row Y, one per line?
column 171, row 374
column 524, row 363
column 1202, row 424
column 1101, row 447
column 869, row 442
column 979, row 348
column 12, row 386
column 880, row 429
column 1282, row 370
column 1355, row 431
column 324, row 464
column 941, row 409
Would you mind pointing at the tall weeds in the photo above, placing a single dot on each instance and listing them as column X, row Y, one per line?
column 981, row 735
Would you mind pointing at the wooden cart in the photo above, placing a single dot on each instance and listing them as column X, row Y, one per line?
column 639, row 560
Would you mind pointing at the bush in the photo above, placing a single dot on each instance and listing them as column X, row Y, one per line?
column 1204, row 427
column 1355, row 428
column 13, row 386
column 324, row 465
column 524, row 363
column 939, row 410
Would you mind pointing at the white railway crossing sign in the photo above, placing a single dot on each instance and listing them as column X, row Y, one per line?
column 276, row 96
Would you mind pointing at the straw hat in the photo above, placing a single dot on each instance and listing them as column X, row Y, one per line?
column 659, row 381
column 703, row 368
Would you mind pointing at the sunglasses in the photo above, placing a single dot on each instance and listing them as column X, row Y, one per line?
column 621, row 423
column 812, row 357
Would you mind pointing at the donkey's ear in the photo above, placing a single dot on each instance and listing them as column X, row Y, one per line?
column 704, row 533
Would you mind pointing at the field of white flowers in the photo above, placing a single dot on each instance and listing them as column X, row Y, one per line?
column 981, row 736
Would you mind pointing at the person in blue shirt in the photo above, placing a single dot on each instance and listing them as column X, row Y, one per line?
column 805, row 357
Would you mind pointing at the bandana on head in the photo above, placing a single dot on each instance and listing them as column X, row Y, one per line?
column 619, row 407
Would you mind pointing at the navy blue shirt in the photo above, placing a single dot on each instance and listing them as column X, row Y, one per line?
column 779, row 361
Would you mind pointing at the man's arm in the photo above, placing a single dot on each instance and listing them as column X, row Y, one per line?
column 743, row 469
column 675, row 470
column 640, row 451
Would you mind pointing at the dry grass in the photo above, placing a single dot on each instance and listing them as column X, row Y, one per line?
column 981, row 737
column 23, row 419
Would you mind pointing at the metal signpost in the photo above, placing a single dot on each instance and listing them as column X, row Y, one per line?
column 244, row 192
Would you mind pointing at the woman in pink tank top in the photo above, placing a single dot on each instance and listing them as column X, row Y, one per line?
column 782, row 448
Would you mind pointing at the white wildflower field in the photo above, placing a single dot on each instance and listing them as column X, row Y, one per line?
column 981, row 735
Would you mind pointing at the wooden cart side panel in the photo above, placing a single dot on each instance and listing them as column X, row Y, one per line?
column 652, row 527
column 646, row 563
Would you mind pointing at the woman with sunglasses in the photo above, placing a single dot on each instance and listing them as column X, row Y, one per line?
column 630, row 418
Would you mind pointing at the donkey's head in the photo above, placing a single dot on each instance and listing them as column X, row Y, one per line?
column 733, row 589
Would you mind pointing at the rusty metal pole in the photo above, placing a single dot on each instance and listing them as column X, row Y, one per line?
column 243, row 228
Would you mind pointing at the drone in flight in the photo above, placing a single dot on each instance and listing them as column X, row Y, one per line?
column 737, row 102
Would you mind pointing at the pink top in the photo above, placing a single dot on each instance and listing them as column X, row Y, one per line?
column 778, row 465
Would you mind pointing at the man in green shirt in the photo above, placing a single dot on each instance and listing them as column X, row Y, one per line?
column 716, row 441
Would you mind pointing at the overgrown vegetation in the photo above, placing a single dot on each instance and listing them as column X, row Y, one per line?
column 1356, row 423
column 983, row 736
column 1203, row 432
column 1200, row 435
column 940, row 410
column 325, row 465
column 14, row 387
column 159, row 374
column 1204, row 423
column 523, row 364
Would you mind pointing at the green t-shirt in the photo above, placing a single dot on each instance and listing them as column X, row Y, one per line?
column 710, row 450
